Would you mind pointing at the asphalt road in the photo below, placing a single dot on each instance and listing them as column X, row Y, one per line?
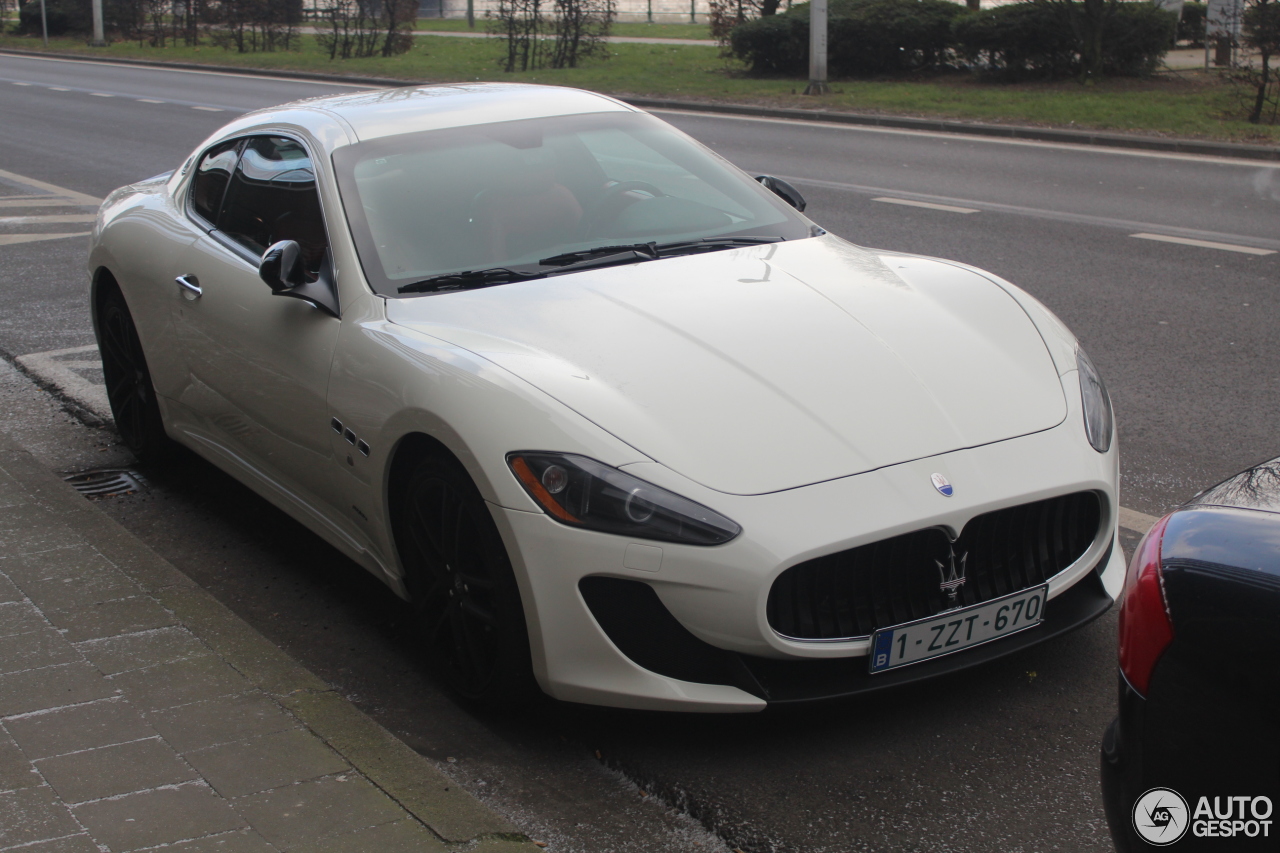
column 999, row 759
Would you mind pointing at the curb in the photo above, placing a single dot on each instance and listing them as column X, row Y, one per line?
column 1235, row 150
column 452, row 814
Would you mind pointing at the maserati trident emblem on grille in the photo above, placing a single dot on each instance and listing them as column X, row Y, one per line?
column 952, row 577
column 942, row 484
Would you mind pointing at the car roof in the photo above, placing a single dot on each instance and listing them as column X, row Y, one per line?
column 1253, row 488
column 386, row 112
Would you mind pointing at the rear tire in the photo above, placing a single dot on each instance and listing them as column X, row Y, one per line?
column 461, row 584
column 129, row 390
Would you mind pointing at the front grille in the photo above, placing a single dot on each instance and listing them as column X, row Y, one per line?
column 854, row 592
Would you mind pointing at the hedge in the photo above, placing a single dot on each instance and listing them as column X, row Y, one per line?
column 1016, row 40
column 863, row 37
column 1191, row 25
column 63, row 16
column 1027, row 39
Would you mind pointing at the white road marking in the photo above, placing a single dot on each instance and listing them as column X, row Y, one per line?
column 149, row 101
column 47, row 367
column 1131, row 519
column 210, row 109
column 21, row 84
column 68, row 196
column 101, row 95
column 1204, row 244
column 58, row 89
column 27, row 201
column 927, row 204
column 14, row 239
column 1040, row 213
column 40, row 220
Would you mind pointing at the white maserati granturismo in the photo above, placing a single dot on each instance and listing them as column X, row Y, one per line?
column 618, row 420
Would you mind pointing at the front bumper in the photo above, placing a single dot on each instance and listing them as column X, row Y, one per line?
column 713, row 599
column 1201, row 733
column 1122, row 767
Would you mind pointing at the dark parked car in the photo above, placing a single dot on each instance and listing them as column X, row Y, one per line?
column 1194, row 756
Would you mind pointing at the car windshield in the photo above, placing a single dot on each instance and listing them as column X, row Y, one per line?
column 509, row 195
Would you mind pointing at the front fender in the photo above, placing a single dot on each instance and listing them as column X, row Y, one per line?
column 429, row 387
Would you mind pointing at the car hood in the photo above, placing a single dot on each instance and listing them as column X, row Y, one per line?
column 771, row 367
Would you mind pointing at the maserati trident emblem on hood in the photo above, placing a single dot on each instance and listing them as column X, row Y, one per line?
column 942, row 484
column 952, row 576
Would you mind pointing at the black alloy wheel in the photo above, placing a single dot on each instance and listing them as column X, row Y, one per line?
column 129, row 389
column 461, row 584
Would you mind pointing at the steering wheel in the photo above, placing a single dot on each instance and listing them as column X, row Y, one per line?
column 607, row 208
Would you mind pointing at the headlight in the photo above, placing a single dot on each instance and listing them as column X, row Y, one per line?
column 1098, row 420
column 581, row 492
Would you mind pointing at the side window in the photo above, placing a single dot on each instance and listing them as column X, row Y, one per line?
column 272, row 197
column 210, row 181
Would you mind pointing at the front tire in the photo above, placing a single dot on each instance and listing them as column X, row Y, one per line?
column 461, row 584
column 129, row 390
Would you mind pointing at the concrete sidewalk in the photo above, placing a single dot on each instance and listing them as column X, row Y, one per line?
column 137, row 712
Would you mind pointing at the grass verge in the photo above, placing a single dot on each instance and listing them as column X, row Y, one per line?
column 1188, row 104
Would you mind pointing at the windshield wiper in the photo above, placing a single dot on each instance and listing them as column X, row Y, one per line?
column 468, row 280
column 648, row 249
column 711, row 244
column 472, row 279
column 601, row 256
column 653, row 251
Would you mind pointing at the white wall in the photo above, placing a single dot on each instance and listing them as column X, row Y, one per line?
column 664, row 11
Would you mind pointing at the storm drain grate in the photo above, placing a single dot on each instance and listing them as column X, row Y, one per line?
column 106, row 482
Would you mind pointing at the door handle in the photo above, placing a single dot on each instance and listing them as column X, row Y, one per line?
column 190, row 286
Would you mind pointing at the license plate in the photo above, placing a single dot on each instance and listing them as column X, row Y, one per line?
column 956, row 630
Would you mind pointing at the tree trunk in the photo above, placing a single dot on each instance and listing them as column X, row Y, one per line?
column 1260, row 100
column 1091, row 23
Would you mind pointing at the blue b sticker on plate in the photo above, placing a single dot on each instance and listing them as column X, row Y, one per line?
column 880, row 654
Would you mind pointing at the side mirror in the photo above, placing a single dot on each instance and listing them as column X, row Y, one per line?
column 282, row 269
column 783, row 190
column 281, row 266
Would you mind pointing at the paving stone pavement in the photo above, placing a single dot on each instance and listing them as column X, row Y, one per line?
column 136, row 712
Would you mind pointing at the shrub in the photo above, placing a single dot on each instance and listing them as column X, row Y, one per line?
column 1253, row 75
column 247, row 25
column 863, row 37
column 1136, row 39
column 64, row 16
column 578, row 29
column 1191, row 24
column 1017, row 40
column 7, row 6
column 776, row 45
column 251, row 26
column 360, row 29
column 893, row 35
column 1031, row 40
